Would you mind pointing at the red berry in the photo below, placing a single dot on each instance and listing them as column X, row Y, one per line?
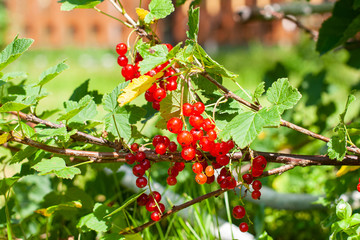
column 199, row 108
column 142, row 199
column 141, row 182
column 223, row 148
column 248, row 178
column 197, row 133
column 155, row 216
column 130, row 158
column 128, row 71
column 171, row 85
column 162, row 207
column 200, row 178
column 230, row 144
column 149, row 96
column 188, row 153
column 179, row 166
column 145, row 164
column 223, row 160
column 159, row 94
column 121, row 49
column 172, row 171
column 209, row 171
column 196, row 121
column 187, row 109
column 155, row 195
column 140, row 156
column 152, row 88
column 256, row 194
column 185, row 138
column 138, row 170
column 197, row 168
column 216, row 165
column 212, row 135
column 243, row 227
column 134, row 147
column 138, row 58
column 169, row 46
column 172, row 146
column 160, row 149
column 256, row 172
column 210, row 179
column 208, row 125
column 205, row 144
column 231, row 182
column 225, row 172
column 238, row 212
column 156, row 105
column 220, row 178
column 259, row 162
column 122, row 60
column 256, row 185
column 175, row 125
column 224, row 183
column 166, row 141
column 157, row 140
column 171, row 180
column 358, row 187
column 150, row 205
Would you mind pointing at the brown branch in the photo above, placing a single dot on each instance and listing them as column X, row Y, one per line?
column 215, row 193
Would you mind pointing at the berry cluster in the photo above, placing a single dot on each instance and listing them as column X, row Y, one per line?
column 162, row 144
column 157, row 92
column 152, row 204
column 202, row 137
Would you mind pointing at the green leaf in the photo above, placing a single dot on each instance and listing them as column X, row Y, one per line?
column 356, row 4
column 68, row 5
column 337, row 145
column 270, row 116
column 283, row 95
column 28, row 131
column 110, row 100
column 51, row 73
column 193, row 23
column 57, row 166
column 265, row 236
column 12, row 75
column 119, row 121
column 260, row 89
column 343, row 210
column 343, row 24
column 14, row 50
column 159, row 9
column 95, row 220
column 13, row 106
column 127, row 202
column 112, row 236
column 7, row 183
column 82, row 91
column 22, row 154
column 170, row 106
column 153, row 57
column 73, row 108
column 59, row 207
column 350, row 99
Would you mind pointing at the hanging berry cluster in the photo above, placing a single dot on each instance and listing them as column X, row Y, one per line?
column 152, row 204
column 157, row 92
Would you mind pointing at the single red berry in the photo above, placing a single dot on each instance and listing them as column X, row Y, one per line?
column 256, row 185
column 130, row 158
column 172, row 171
column 247, row 178
column 209, row 171
column 149, row 96
column 259, row 162
column 212, row 135
column 166, row 141
column 223, row 160
column 150, row 205
column 171, row 85
column 162, row 207
column 141, row 182
column 223, row 148
column 172, row 146
column 138, row 57
column 197, row 133
column 175, row 125
column 134, row 147
column 220, row 178
column 244, row 227
column 256, row 172
column 205, row 144
column 200, row 178
column 169, row 46
column 197, row 167
column 140, row 155
column 155, row 216
column 231, row 182
column 121, row 49
column 160, row 149
column 153, row 88
column 188, row 153
column 225, row 171
column 156, row 105
column 210, row 179
column 128, row 71
column 224, row 183
column 157, row 139
column 216, row 165
column 159, row 94
column 358, row 187
column 122, row 60
column 196, row 121
column 138, row 170
column 238, row 212
column 185, row 138
column 179, row 166
column 155, row 195
column 199, row 108
column 171, row 180
column 145, row 164
column 142, row 199
column 230, row 144
column 187, row 109
column 256, row 194
column 208, row 124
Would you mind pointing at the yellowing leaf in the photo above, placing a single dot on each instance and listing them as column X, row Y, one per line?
column 345, row 169
column 47, row 212
column 137, row 87
column 141, row 13
column 4, row 138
